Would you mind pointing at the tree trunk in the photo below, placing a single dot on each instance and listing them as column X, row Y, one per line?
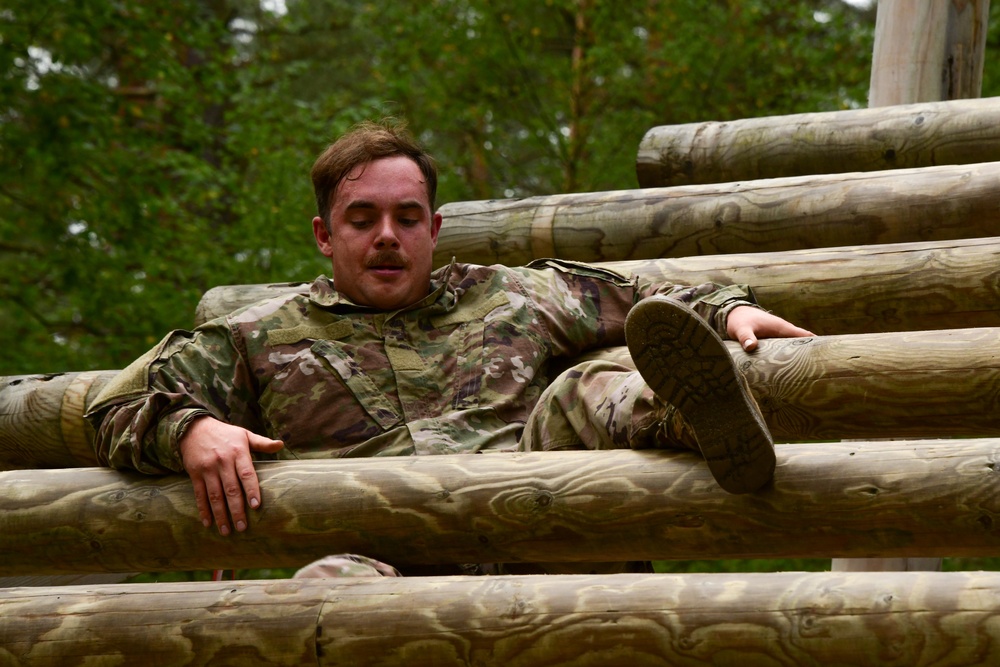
column 859, row 140
column 890, row 499
column 932, row 203
column 752, row 620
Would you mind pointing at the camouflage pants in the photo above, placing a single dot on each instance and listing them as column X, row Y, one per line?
column 593, row 405
column 603, row 405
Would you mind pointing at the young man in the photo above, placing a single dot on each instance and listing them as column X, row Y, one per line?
column 392, row 358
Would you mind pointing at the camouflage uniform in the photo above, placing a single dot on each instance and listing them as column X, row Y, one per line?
column 462, row 370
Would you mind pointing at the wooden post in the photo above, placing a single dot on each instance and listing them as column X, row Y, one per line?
column 885, row 499
column 751, row 620
column 928, row 51
column 925, row 52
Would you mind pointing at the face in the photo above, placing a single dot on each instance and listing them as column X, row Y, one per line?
column 382, row 234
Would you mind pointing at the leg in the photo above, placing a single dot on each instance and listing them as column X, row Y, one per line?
column 688, row 366
column 603, row 405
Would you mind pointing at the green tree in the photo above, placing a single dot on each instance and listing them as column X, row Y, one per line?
column 152, row 150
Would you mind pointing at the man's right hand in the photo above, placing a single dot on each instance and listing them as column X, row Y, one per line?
column 217, row 457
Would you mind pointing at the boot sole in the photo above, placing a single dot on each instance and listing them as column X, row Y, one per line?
column 687, row 365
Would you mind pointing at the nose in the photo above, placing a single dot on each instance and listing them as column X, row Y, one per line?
column 385, row 233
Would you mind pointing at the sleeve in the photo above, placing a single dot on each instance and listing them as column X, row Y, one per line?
column 711, row 301
column 584, row 306
column 142, row 414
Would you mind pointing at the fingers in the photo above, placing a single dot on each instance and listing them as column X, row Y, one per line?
column 746, row 325
column 201, row 500
column 246, row 472
column 217, row 457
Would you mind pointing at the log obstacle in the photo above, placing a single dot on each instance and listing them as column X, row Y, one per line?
column 865, row 619
column 907, row 384
column 902, row 136
column 859, row 289
column 901, row 206
column 858, row 499
column 41, row 419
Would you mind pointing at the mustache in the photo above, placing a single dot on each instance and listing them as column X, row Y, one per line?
column 386, row 257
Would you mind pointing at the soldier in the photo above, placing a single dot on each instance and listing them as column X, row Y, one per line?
column 390, row 357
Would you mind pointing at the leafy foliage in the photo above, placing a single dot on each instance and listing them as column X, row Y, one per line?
column 152, row 150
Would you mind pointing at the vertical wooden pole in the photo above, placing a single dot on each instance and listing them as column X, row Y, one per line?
column 928, row 51
column 925, row 51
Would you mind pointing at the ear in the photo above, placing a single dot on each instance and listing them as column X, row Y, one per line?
column 323, row 237
column 436, row 220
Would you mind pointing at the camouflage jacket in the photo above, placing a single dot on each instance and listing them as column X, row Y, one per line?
column 458, row 371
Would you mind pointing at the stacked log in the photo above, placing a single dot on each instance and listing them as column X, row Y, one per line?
column 900, row 498
column 902, row 136
column 875, row 619
column 828, row 210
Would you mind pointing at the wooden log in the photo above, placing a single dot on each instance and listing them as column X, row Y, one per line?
column 924, row 134
column 858, row 499
column 902, row 206
column 924, row 52
column 862, row 289
column 41, row 419
column 928, row 51
column 922, row 384
column 919, row 384
column 765, row 619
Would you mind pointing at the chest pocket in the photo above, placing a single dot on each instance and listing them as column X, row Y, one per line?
column 468, row 342
column 374, row 402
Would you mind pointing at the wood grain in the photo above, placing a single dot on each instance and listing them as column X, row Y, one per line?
column 41, row 419
column 764, row 619
column 857, row 289
column 830, row 210
column 902, row 136
column 928, row 51
column 919, row 384
column 857, row 499
column 922, row 384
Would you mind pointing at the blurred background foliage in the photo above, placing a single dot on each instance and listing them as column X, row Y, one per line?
column 153, row 149
column 150, row 150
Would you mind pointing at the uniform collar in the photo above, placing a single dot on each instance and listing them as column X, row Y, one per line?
column 442, row 295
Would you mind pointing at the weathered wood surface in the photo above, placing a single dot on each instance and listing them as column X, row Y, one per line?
column 927, row 51
column 904, row 384
column 41, row 419
column 858, row 499
column 902, row 136
column 919, row 384
column 901, row 206
column 862, row 289
column 766, row 619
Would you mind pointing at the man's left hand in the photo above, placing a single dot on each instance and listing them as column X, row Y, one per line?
column 746, row 324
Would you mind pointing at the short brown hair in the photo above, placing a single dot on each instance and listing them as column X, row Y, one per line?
column 366, row 142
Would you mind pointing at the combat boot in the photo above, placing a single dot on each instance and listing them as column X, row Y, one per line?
column 687, row 365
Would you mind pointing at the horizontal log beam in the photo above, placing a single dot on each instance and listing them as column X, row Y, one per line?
column 858, row 140
column 918, row 384
column 41, row 419
column 921, row 384
column 830, row 210
column 859, row 289
column 858, row 499
column 766, row 619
